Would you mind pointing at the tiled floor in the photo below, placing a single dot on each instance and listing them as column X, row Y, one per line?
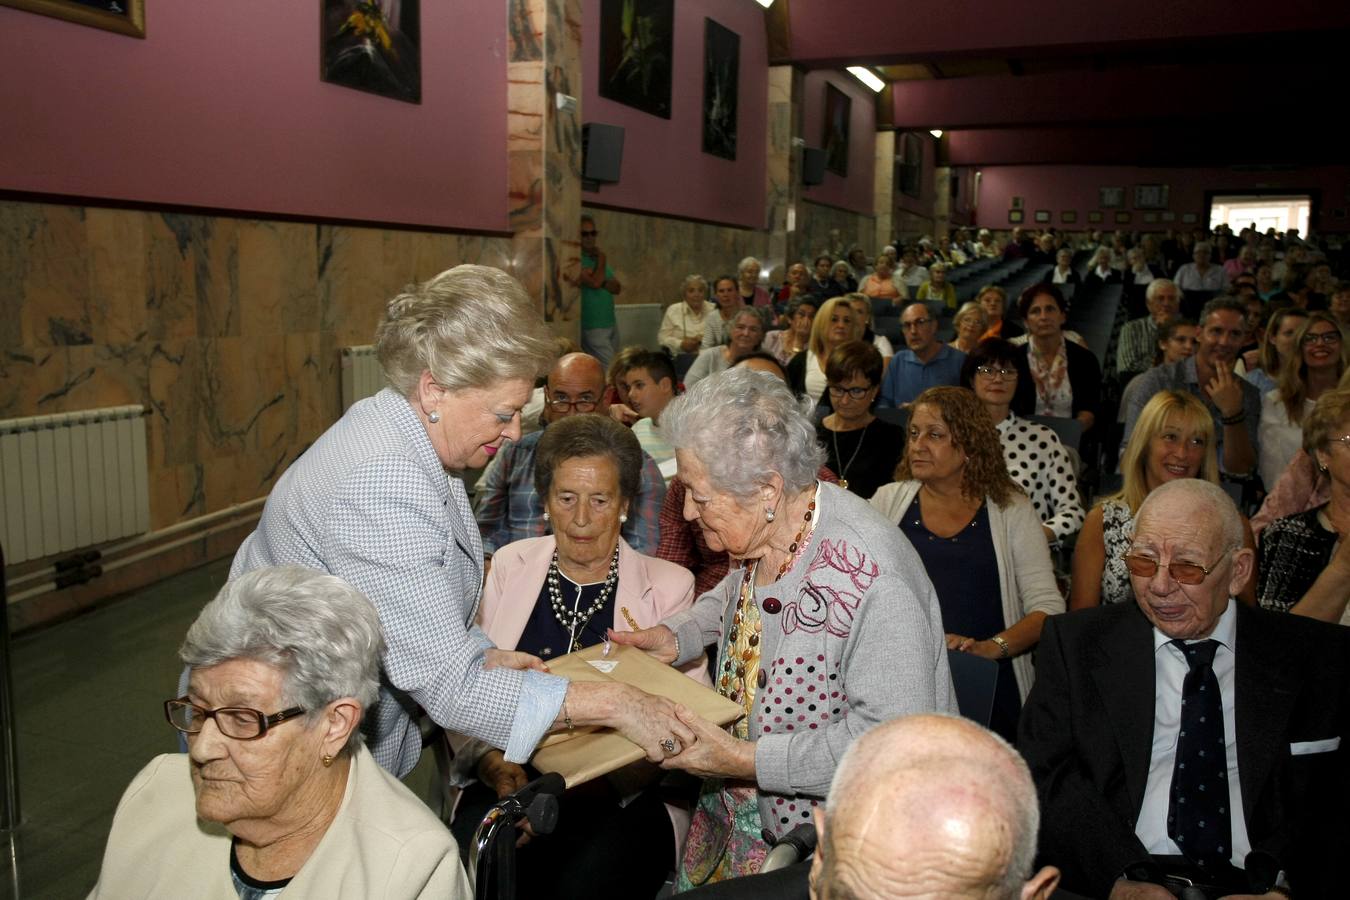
column 88, row 697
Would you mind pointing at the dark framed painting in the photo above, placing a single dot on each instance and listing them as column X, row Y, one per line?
column 1150, row 196
column 721, row 73
column 1016, row 216
column 834, row 137
column 1122, row 217
column 909, row 165
column 1169, row 216
column 373, row 46
column 1189, row 218
column 1111, row 197
column 1042, row 215
column 122, row 16
column 1068, row 217
column 1150, row 218
column 636, row 40
column 1094, row 216
column 1016, row 203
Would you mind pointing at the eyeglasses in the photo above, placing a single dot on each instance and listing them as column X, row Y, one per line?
column 238, row 722
column 1182, row 573
column 592, row 233
column 856, row 393
column 995, row 374
column 1321, row 337
column 914, row 323
column 563, row 404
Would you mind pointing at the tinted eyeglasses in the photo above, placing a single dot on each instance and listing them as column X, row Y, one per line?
column 238, row 722
column 1181, row 572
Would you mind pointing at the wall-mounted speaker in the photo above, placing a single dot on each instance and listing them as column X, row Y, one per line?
column 601, row 152
column 813, row 166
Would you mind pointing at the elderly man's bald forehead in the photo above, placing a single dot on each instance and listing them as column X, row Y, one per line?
column 577, row 369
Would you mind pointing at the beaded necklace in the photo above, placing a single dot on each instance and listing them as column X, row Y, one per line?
column 576, row 619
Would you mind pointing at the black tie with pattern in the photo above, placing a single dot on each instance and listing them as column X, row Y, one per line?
column 1197, row 816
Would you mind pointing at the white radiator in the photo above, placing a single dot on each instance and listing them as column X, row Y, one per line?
column 361, row 374
column 72, row 480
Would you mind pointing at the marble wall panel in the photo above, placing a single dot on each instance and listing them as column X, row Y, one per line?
column 116, row 254
column 827, row 229
column 55, row 286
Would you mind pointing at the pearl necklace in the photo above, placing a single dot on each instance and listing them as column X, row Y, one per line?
column 570, row 619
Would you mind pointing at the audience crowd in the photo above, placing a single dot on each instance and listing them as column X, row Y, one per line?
column 1090, row 491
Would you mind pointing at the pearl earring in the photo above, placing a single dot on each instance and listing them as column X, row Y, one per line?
column 768, row 515
column 545, row 515
column 433, row 417
column 623, row 517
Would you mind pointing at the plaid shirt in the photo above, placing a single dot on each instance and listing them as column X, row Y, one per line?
column 683, row 543
column 1136, row 346
column 508, row 508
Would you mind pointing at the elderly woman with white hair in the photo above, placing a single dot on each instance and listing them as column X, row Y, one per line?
column 747, row 333
column 378, row 501
column 830, row 627
column 683, row 324
column 277, row 792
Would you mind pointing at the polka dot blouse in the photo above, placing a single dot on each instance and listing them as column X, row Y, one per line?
column 1040, row 464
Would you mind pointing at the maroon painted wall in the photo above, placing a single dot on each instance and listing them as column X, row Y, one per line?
column 223, row 107
column 854, row 190
column 1059, row 188
column 665, row 170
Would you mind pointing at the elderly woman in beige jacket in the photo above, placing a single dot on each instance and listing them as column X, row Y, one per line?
column 979, row 538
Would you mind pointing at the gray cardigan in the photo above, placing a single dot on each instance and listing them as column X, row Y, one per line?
column 1026, row 576
column 858, row 641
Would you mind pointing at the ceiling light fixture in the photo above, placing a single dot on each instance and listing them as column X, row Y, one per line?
column 937, row 133
column 766, row 3
column 866, row 76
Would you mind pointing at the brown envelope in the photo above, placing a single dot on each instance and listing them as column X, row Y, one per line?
column 586, row 753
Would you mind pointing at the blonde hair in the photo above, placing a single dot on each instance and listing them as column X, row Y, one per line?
column 1293, row 375
column 970, row 308
column 821, row 323
column 470, row 326
column 1326, row 418
column 1187, row 411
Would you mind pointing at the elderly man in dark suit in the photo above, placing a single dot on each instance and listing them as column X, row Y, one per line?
column 1199, row 740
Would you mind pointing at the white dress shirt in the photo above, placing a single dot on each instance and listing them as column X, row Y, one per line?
column 1170, row 669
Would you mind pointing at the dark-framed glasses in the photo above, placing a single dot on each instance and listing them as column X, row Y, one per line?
column 1181, row 572
column 995, row 373
column 1321, row 337
column 914, row 323
column 855, row 393
column 238, row 722
column 563, row 404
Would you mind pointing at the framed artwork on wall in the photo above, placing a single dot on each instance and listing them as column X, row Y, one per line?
column 1042, row 215
column 1068, row 217
column 909, row 165
column 1016, row 203
column 372, row 47
column 1150, row 196
column 122, row 16
column 721, row 73
column 1168, row 216
column 1111, row 197
column 1122, row 218
column 1095, row 216
column 1189, row 218
column 635, row 53
column 838, row 108
column 1015, row 216
column 1150, row 218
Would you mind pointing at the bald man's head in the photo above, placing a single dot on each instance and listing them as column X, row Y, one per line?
column 929, row 806
column 575, row 378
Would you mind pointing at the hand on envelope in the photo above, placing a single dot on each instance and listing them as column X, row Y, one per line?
column 715, row 753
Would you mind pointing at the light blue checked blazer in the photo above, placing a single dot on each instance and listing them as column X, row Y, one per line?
column 370, row 503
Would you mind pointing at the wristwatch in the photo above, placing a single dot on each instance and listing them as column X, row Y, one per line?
column 1004, row 650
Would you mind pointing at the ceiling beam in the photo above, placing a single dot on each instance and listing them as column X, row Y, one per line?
column 1235, row 143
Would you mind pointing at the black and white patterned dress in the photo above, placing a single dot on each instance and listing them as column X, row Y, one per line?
column 1041, row 466
column 1117, row 527
column 1294, row 551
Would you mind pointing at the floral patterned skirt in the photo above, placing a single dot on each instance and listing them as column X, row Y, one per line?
column 725, row 835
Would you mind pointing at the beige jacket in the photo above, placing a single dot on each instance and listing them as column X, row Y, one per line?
column 1026, row 576
column 384, row 842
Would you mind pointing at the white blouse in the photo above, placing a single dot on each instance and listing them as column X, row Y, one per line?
column 1279, row 438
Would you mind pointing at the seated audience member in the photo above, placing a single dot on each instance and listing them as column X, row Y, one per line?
column 684, row 323
column 1263, row 366
column 922, row 806
column 937, row 287
column 1266, row 284
column 748, row 288
column 883, row 283
column 1176, row 341
column 857, row 264
column 925, row 362
column 1234, row 404
column 1035, row 457
column 1245, row 261
column 799, row 284
column 1138, row 273
column 278, row 794
column 683, row 542
column 833, row 326
column 717, row 330
column 1304, row 564
column 651, row 384
column 861, row 448
column 747, row 333
column 1295, row 291
column 911, row 273
column 552, row 595
column 822, row 281
column 1340, row 304
column 862, row 326
column 505, row 503
column 1314, row 367
column 1063, row 272
column 841, row 280
column 616, row 392
column 785, row 343
column 1100, row 271
column 1200, row 274
column 1065, row 375
column 985, row 246
column 1174, row 439
column 1186, row 736
column 971, row 324
column 1043, row 250
column 994, row 301
column 979, row 539
column 1138, row 341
